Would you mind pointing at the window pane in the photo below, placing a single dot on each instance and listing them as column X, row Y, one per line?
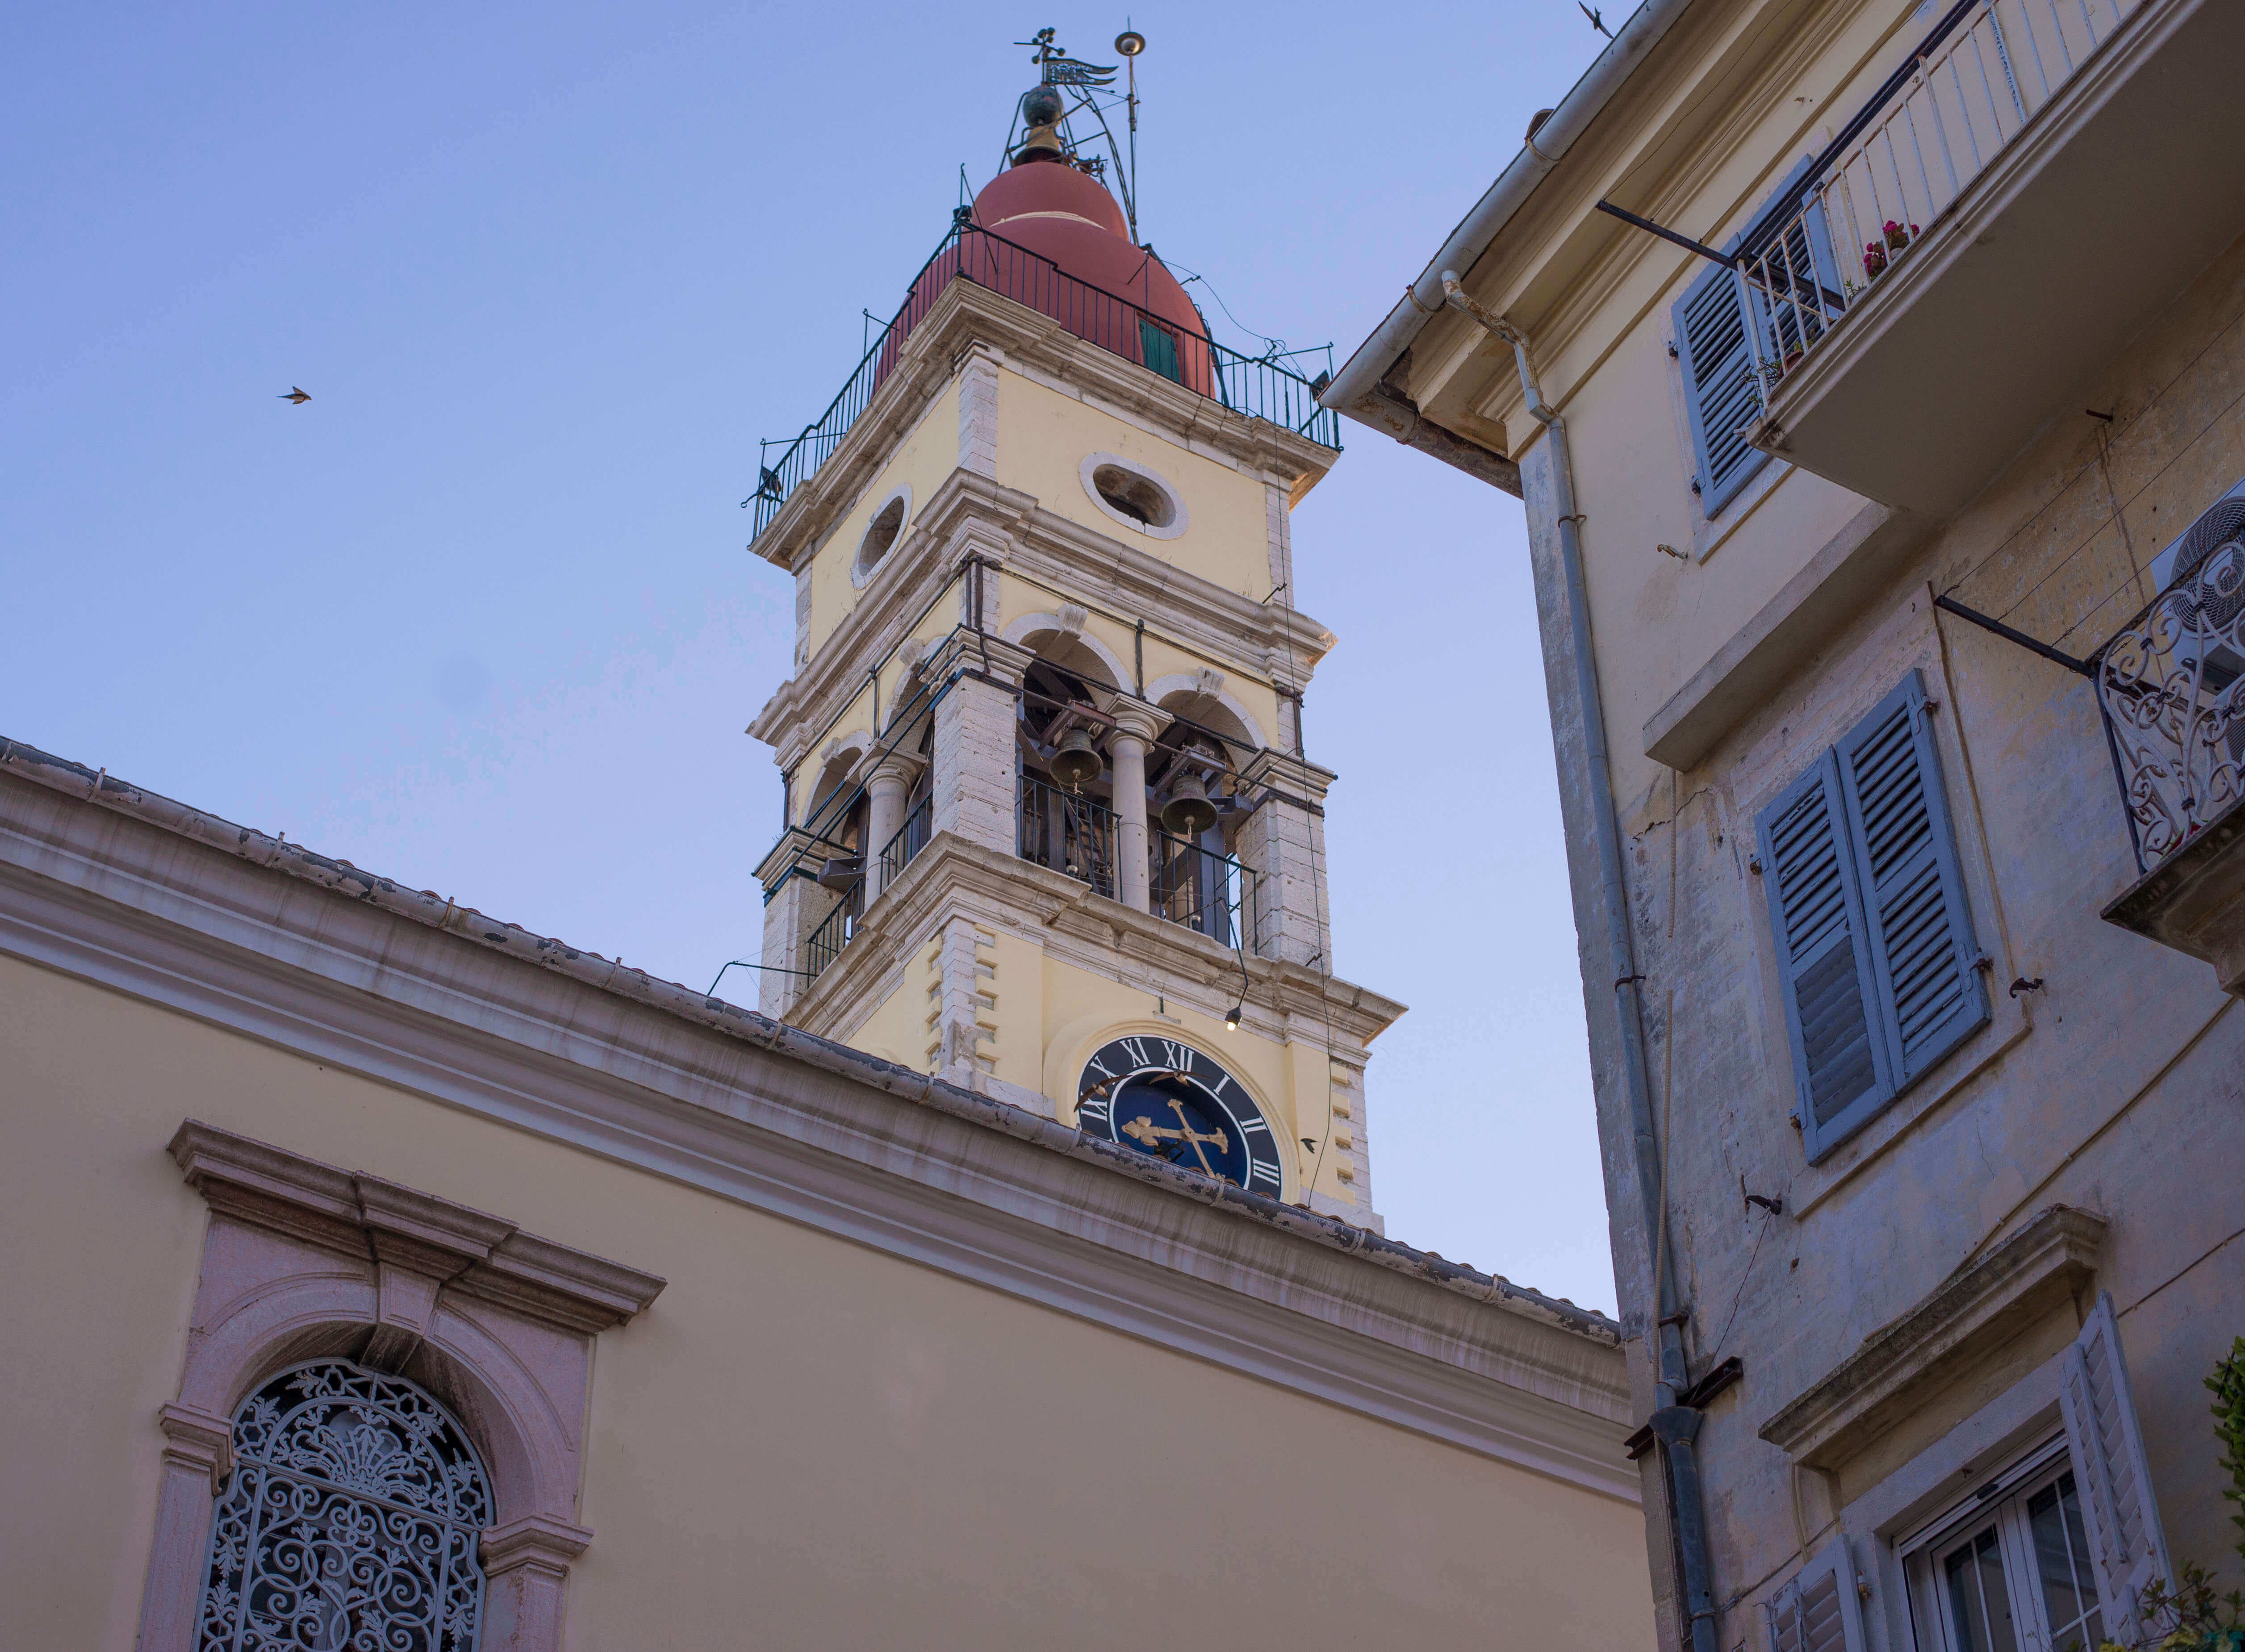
column 2069, row 1594
column 1979, row 1605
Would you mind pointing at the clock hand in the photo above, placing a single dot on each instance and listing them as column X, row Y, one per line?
column 1196, row 1139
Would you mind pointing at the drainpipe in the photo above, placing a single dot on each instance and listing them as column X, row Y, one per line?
column 1675, row 1426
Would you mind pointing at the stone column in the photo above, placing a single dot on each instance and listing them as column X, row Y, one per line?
column 1136, row 726
column 974, row 755
column 786, row 925
column 885, row 814
column 1283, row 843
column 198, row 1456
column 526, row 1575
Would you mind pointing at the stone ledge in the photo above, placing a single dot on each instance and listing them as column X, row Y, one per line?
column 2194, row 900
column 1809, row 608
column 1976, row 1310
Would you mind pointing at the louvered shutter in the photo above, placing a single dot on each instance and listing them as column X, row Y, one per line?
column 2117, row 1505
column 1819, row 1610
column 1839, row 1062
column 1720, row 392
column 1924, row 957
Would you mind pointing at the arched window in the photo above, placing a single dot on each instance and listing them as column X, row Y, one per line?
column 349, row 1521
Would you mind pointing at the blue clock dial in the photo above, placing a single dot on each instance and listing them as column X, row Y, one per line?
column 1165, row 1099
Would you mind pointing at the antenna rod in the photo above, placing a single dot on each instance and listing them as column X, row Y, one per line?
column 1131, row 42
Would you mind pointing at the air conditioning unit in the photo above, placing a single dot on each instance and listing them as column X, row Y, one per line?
column 2223, row 523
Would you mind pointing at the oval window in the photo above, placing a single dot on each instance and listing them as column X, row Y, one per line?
column 880, row 533
column 1137, row 497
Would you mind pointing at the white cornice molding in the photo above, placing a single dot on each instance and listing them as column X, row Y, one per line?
column 163, row 903
column 954, row 876
column 969, row 515
column 965, row 316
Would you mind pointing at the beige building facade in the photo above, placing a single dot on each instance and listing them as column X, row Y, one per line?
column 1869, row 373
column 384, row 1275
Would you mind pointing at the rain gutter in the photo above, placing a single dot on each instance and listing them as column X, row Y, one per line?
column 1360, row 391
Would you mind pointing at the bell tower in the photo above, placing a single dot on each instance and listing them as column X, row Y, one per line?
column 1050, row 831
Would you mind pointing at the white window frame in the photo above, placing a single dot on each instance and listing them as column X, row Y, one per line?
column 2001, row 1503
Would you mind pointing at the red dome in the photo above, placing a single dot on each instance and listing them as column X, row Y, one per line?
column 1059, row 244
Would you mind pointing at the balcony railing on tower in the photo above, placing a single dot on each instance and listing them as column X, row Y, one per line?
column 1068, row 832
column 1985, row 71
column 1255, row 386
column 835, row 931
column 910, row 839
column 1208, row 892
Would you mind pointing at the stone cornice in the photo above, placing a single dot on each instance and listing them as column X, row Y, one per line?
column 1979, row 1307
column 970, row 515
column 965, row 316
column 360, row 1215
column 160, row 902
column 1578, row 281
column 1161, row 956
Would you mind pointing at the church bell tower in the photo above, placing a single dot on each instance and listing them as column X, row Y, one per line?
column 1050, row 831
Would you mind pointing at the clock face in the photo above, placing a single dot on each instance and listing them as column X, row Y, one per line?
column 1171, row 1100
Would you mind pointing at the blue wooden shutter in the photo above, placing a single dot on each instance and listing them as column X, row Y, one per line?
column 1841, row 1070
column 1922, row 952
column 1720, row 392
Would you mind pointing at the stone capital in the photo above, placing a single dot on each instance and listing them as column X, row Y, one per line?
column 537, row 1540
column 196, row 1440
column 1294, row 778
column 1139, row 720
column 985, row 654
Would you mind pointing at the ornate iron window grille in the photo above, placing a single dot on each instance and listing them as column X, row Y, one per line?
column 349, row 1522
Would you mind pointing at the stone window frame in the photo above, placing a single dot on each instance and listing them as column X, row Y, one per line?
column 861, row 569
column 1180, row 518
column 301, row 1260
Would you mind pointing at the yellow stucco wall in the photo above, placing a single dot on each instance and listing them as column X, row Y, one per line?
column 1043, row 437
column 802, row 1443
column 922, row 462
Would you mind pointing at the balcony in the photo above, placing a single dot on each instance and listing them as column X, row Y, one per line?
column 2171, row 685
column 1254, row 387
column 2038, row 179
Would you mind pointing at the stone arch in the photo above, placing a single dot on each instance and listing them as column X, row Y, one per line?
column 301, row 1261
column 1050, row 636
column 837, row 762
column 1193, row 695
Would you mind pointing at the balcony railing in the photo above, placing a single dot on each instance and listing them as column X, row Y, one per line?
column 1969, row 89
column 2171, row 687
column 1069, row 834
column 1209, row 893
column 835, row 931
column 1258, row 387
column 910, row 839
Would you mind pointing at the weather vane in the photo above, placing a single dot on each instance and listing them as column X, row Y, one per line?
column 1087, row 80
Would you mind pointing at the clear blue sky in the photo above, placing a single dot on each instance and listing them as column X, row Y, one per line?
column 478, row 616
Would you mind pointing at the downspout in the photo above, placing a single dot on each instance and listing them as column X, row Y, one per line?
column 1675, row 1426
column 1360, row 390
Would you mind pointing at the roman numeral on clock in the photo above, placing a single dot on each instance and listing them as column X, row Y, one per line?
column 1263, row 1173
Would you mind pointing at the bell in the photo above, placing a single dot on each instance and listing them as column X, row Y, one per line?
column 842, row 872
column 1042, row 143
column 1187, row 813
column 1078, row 761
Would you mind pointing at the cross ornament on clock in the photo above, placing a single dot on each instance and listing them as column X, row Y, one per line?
column 1162, row 1096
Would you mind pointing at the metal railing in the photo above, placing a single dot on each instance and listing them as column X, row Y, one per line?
column 1988, row 68
column 836, row 930
column 910, row 839
column 1068, row 832
column 1208, row 892
column 2171, row 685
column 1255, row 386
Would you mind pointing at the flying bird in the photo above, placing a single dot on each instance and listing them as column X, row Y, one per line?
column 1597, row 21
column 295, row 395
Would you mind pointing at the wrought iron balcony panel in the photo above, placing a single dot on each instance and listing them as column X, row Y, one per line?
column 1257, row 387
column 2171, row 685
